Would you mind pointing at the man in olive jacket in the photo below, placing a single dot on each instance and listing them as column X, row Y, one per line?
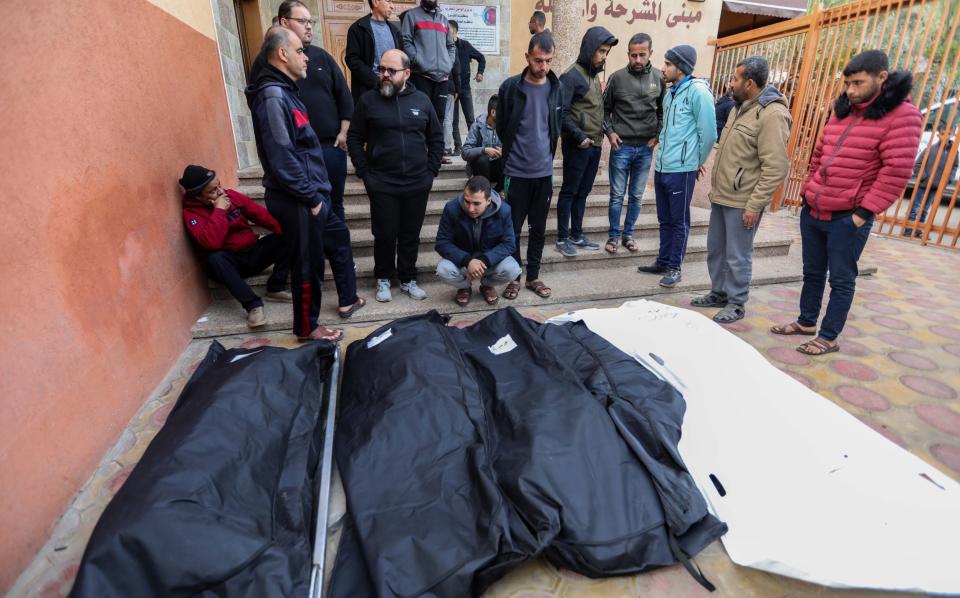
column 751, row 162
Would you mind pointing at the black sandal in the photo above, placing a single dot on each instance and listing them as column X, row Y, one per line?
column 711, row 299
column 729, row 314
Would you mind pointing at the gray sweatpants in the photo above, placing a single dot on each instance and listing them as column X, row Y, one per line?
column 730, row 253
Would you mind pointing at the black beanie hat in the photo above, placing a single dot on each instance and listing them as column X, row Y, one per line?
column 684, row 56
column 195, row 178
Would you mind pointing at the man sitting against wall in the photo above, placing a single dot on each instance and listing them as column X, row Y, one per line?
column 216, row 219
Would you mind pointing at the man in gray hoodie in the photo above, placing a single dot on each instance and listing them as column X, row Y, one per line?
column 483, row 151
column 427, row 40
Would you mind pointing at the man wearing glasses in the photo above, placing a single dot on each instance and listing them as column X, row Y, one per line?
column 297, row 189
column 396, row 143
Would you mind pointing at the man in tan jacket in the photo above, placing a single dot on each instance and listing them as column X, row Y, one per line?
column 750, row 163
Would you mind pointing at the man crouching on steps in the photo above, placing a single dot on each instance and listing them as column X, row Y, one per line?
column 217, row 222
column 476, row 241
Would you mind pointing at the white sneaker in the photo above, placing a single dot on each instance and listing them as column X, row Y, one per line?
column 256, row 317
column 411, row 288
column 383, row 290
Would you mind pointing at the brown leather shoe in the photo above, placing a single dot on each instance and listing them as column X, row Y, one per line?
column 463, row 296
column 489, row 295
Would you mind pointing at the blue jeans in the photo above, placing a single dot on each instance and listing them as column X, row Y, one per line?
column 633, row 162
column 832, row 246
column 915, row 208
column 579, row 172
column 674, row 190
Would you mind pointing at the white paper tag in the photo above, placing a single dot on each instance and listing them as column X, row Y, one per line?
column 379, row 338
column 504, row 345
column 237, row 358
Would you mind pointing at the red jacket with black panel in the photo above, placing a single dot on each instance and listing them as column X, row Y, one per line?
column 214, row 229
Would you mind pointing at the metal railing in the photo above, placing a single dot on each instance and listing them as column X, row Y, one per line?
column 807, row 56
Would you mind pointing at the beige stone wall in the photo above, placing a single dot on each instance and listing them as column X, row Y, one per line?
column 664, row 36
column 195, row 13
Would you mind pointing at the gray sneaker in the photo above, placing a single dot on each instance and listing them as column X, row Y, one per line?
column 670, row 279
column 383, row 290
column 256, row 317
column 584, row 243
column 411, row 288
column 565, row 248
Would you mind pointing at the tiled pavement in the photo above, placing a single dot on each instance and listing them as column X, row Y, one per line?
column 898, row 370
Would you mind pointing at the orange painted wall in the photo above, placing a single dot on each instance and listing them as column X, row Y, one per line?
column 101, row 105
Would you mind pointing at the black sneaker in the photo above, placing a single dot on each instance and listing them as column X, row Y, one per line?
column 670, row 279
column 654, row 268
column 584, row 243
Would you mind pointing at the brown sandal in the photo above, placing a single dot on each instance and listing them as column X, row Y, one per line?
column 538, row 287
column 631, row 244
column 463, row 296
column 489, row 295
column 346, row 313
column 611, row 246
column 817, row 346
column 322, row 333
column 512, row 290
column 791, row 329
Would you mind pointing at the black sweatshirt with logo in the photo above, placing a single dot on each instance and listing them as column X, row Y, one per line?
column 395, row 144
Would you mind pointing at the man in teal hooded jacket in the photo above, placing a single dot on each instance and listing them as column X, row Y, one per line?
column 688, row 134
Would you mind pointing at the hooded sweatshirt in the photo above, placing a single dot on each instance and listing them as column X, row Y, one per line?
column 583, row 98
column 489, row 238
column 395, row 144
column 689, row 127
column 427, row 41
column 751, row 160
column 289, row 150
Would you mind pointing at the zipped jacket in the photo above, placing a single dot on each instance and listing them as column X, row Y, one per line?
column 395, row 144
column 689, row 127
column 489, row 238
column 427, row 41
column 512, row 100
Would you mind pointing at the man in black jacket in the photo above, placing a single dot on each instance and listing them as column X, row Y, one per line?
column 297, row 185
column 528, row 124
column 465, row 53
column 396, row 142
column 326, row 95
column 367, row 39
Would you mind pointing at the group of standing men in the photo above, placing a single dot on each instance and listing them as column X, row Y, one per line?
column 305, row 119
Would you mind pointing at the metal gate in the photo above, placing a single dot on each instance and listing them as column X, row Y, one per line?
column 807, row 56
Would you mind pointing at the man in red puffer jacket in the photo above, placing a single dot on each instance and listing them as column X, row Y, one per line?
column 860, row 166
column 217, row 221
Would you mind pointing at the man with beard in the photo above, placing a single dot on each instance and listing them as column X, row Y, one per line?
column 686, row 139
column 633, row 110
column 429, row 44
column 297, row 187
column 750, row 163
column 530, row 107
column 860, row 166
column 583, row 130
column 396, row 142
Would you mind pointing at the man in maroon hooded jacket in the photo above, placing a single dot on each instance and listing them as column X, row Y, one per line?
column 217, row 220
column 859, row 167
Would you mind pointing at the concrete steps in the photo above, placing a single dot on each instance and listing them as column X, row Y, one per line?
column 609, row 279
column 590, row 276
column 767, row 244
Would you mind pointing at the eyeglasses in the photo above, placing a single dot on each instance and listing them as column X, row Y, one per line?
column 390, row 71
column 304, row 22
